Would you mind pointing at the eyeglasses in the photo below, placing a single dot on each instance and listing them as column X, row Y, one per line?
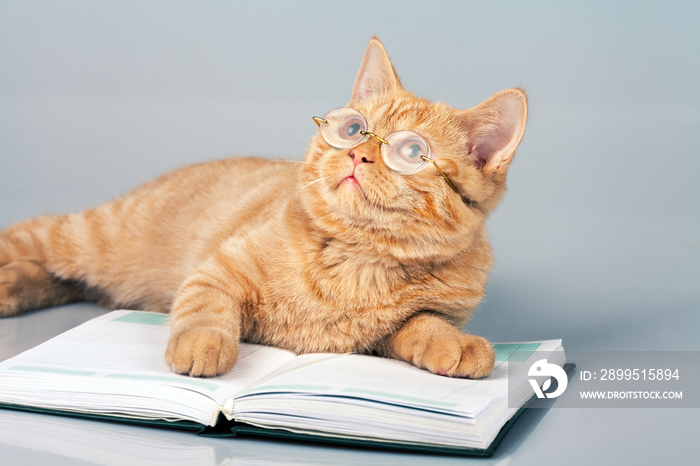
column 404, row 152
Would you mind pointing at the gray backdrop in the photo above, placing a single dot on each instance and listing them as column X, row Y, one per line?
column 598, row 239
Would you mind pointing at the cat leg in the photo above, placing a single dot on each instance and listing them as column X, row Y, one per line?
column 26, row 285
column 209, row 314
column 40, row 265
column 430, row 342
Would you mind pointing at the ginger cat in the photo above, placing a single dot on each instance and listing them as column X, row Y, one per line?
column 374, row 243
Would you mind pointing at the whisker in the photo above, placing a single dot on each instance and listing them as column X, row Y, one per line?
column 309, row 184
column 317, row 146
column 305, row 139
column 303, row 162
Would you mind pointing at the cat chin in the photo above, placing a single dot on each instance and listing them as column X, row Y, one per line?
column 351, row 197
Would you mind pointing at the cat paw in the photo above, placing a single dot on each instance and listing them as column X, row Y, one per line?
column 201, row 352
column 8, row 304
column 429, row 342
column 464, row 356
column 26, row 285
column 16, row 282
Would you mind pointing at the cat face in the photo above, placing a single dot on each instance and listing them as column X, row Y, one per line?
column 354, row 191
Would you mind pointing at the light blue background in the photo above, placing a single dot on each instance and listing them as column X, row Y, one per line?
column 597, row 241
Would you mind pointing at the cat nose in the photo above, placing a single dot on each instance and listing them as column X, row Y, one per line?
column 359, row 156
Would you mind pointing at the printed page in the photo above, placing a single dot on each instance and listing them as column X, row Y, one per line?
column 121, row 356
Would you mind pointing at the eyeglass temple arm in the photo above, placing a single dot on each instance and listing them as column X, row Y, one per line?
column 466, row 200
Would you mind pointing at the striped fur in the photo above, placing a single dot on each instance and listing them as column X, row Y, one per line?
column 287, row 253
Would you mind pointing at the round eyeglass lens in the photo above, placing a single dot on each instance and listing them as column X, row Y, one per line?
column 344, row 128
column 403, row 153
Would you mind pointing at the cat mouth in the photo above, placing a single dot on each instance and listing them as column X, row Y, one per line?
column 351, row 180
column 352, row 183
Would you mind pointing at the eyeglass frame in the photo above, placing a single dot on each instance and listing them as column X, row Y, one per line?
column 466, row 200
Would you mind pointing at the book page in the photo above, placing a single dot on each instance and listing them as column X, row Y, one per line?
column 359, row 397
column 123, row 354
column 395, row 382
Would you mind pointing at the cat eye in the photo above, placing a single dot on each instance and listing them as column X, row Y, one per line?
column 344, row 128
column 404, row 152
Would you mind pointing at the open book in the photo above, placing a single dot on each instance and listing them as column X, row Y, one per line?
column 113, row 367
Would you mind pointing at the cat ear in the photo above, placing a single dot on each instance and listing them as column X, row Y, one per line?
column 494, row 129
column 376, row 74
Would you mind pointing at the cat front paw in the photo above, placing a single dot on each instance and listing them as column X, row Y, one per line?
column 201, row 352
column 429, row 342
column 464, row 356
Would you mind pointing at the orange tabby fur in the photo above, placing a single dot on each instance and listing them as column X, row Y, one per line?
column 286, row 253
